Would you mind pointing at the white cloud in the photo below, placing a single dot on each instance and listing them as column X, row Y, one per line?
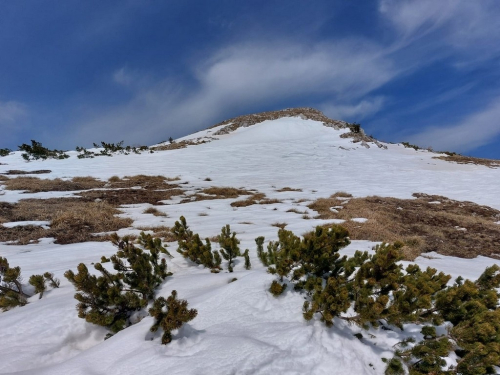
column 469, row 29
column 243, row 76
column 474, row 131
column 11, row 112
column 354, row 112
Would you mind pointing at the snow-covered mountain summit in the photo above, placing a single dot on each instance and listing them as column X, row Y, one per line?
column 256, row 173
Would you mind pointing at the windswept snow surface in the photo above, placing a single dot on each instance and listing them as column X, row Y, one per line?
column 240, row 327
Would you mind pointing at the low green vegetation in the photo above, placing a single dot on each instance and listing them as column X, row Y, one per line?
column 12, row 293
column 373, row 290
column 108, row 149
column 193, row 248
column 4, row 151
column 36, row 151
column 461, row 320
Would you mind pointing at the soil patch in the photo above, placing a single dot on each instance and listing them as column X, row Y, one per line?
column 427, row 223
column 460, row 159
column 72, row 220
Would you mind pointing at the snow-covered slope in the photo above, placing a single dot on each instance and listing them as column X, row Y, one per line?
column 240, row 328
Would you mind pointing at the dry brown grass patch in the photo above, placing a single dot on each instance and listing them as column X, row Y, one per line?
column 455, row 228
column 461, row 159
column 72, row 220
column 162, row 232
column 225, row 192
column 72, row 226
column 286, row 188
column 36, row 185
column 215, row 192
column 119, row 197
column 154, row 211
column 279, row 225
column 256, row 198
column 145, row 182
column 19, row 172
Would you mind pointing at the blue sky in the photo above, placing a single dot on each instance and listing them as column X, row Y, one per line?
column 77, row 72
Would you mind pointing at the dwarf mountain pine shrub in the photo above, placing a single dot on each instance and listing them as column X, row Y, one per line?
column 11, row 287
column 315, row 255
column 229, row 246
column 170, row 314
column 259, row 241
column 246, row 255
column 5, row 151
column 379, row 291
column 36, row 151
column 84, row 153
column 193, row 248
column 110, row 299
column 355, row 127
column 108, row 149
column 39, row 282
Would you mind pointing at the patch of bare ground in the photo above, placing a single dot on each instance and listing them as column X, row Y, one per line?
column 427, row 223
column 461, row 159
column 72, row 220
column 19, row 172
column 279, row 225
column 4, row 178
column 163, row 232
column 249, row 120
column 118, row 197
column 154, row 211
column 356, row 133
column 36, row 185
column 286, row 188
column 143, row 181
column 216, row 193
column 180, row 144
column 256, row 198
column 246, row 222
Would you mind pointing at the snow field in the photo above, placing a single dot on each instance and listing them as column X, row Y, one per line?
column 240, row 328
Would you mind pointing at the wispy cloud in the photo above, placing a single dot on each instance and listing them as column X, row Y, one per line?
column 354, row 112
column 246, row 75
column 473, row 131
column 468, row 29
column 11, row 112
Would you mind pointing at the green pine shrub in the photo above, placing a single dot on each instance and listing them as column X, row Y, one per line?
column 39, row 282
column 355, row 127
column 170, row 314
column 110, row 298
column 36, row 151
column 379, row 291
column 246, row 255
column 259, row 241
column 229, row 246
column 108, row 149
column 5, row 151
column 11, row 288
column 191, row 247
